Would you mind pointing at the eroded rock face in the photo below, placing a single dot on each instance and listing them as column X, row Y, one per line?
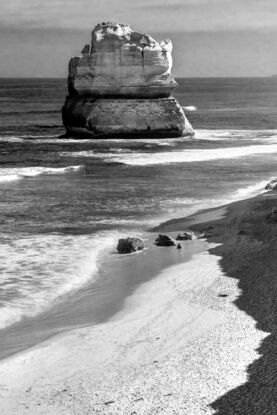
column 122, row 84
column 161, row 117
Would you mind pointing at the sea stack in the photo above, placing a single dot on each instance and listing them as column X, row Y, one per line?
column 121, row 86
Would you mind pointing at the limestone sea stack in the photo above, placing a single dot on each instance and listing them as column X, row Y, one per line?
column 121, row 86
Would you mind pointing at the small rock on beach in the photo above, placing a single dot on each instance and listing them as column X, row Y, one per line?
column 185, row 236
column 164, row 240
column 128, row 245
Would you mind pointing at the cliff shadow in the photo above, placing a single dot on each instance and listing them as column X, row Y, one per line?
column 249, row 254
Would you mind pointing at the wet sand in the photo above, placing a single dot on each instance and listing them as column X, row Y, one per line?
column 185, row 341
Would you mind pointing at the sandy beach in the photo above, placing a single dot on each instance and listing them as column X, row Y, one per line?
column 182, row 344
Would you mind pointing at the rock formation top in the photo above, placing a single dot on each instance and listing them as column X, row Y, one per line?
column 120, row 62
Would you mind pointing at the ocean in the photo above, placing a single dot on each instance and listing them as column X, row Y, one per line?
column 64, row 203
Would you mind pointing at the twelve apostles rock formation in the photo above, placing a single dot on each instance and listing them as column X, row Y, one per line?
column 122, row 86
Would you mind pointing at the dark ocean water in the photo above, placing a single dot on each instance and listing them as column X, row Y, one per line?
column 64, row 203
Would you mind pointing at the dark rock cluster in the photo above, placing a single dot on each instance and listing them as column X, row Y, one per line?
column 133, row 244
column 272, row 185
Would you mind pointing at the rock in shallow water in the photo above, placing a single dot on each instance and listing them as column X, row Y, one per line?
column 185, row 236
column 204, row 235
column 164, row 240
column 122, row 85
column 128, row 245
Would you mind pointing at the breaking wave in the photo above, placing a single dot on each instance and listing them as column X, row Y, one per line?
column 251, row 190
column 184, row 207
column 239, row 135
column 180, row 156
column 11, row 174
column 190, row 108
column 38, row 270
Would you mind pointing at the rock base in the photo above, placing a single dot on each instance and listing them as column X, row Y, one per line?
column 119, row 117
column 128, row 245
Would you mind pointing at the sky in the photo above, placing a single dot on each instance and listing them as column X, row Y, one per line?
column 210, row 37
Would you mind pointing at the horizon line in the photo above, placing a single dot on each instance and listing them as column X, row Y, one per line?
column 176, row 76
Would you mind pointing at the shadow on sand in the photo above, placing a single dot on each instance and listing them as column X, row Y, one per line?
column 249, row 254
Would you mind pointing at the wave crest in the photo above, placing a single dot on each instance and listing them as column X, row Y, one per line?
column 187, row 155
column 11, row 174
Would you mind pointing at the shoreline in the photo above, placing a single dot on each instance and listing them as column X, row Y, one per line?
column 33, row 331
column 184, row 320
column 105, row 355
column 204, row 216
column 96, row 302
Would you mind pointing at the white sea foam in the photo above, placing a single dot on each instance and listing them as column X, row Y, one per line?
column 181, row 201
column 41, row 139
column 11, row 139
column 251, row 190
column 190, row 108
column 56, row 140
column 8, row 177
column 38, row 270
column 10, row 174
column 84, row 153
column 244, row 192
column 187, row 155
column 183, row 207
column 35, row 138
column 233, row 135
